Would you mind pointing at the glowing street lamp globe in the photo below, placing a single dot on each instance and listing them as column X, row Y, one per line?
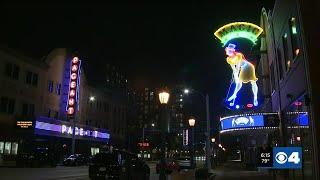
column 92, row 98
column 164, row 97
column 213, row 140
column 192, row 122
column 186, row 91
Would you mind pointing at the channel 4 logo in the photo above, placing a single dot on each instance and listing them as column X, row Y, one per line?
column 287, row 157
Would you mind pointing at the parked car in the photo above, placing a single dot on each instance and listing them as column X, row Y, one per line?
column 184, row 162
column 76, row 160
column 39, row 157
column 171, row 165
column 118, row 165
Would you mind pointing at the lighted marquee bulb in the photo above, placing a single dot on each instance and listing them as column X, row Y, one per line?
column 70, row 110
column 75, row 60
column 71, row 101
column 73, row 84
column 74, row 68
column 72, row 93
column 73, row 76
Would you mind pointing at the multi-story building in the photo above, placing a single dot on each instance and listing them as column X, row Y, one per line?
column 289, row 65
column 34, row 98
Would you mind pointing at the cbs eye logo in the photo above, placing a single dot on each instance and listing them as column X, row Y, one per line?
column 282, row 158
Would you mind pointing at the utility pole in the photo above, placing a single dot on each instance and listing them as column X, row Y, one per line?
column 208, row 162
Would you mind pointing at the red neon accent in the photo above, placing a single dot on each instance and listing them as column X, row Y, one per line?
column 71, row 101
column 70, row 110
column 74, row 68
column 298, row 103
column 72, row 93
column 73, row 84
column 73, row 76
column 249, row 105
column 75, row 60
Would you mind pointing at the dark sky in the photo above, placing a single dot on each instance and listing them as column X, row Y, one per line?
column 153, row 43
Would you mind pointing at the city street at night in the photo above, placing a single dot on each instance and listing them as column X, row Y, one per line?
column 203, row 90
column 60, row 172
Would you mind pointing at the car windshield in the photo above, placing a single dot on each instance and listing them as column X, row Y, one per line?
column 104, row 158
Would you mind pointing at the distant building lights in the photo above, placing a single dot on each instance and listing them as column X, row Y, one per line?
column 186, row 91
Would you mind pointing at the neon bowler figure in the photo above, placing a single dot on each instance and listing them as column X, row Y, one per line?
column 243, row 72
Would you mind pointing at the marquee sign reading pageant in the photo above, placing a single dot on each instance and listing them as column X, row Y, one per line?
column 57, row 128
column 73, row 95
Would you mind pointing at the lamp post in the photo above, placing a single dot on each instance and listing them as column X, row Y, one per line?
column 207, row 134
column 192, row 122
column 163, row 98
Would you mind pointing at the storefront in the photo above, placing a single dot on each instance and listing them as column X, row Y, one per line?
column 47, row 135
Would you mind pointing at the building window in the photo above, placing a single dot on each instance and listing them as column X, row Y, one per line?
column 14, row 148
column 35, row 79
column 7, row 105
column 50, row 86
column 24, row 109
column 1, row 147
column 7, row 148
column 32, row 78
column 105, row 106
column 285, row 51
column 28, row 109
column 29, row 77
column 58, row 88
column 12, row 70
column 294, row 37
column 56, row 115
column 49, row 113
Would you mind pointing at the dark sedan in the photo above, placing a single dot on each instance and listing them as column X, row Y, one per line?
column 118, row 165
column 76, row 160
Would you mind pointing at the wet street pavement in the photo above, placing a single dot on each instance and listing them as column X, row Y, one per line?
column 60, row 172
column 224, row 172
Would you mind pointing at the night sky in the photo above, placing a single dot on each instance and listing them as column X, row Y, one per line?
column 152, row 43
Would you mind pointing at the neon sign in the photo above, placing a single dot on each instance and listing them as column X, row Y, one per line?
column 242, row 122
column 238, row 30
column 243, row 72
column 73, row 95
column 64, row 130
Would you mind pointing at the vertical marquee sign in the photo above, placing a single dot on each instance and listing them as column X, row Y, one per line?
column 73, row 95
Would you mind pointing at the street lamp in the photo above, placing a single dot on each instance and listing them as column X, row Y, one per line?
column 163, row 98
column 213, row 140
column 207, row 134
column 92, row 98
column 192, row 122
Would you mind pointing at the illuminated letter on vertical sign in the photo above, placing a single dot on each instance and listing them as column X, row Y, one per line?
column 73, row 86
